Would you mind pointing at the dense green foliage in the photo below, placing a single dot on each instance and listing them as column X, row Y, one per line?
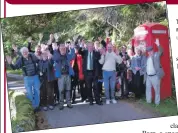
column 22, row 114
column 120, row 21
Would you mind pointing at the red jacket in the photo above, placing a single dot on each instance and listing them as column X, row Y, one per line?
column 80, row 68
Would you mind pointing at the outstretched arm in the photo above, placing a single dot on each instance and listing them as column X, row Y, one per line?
column 118, row 59
column 30, row 47
column 71, row 54
column 101, row 61
column 160, row 49
column 103, row 43
column 15, row 66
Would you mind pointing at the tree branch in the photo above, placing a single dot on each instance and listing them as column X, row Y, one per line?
column 112, row 25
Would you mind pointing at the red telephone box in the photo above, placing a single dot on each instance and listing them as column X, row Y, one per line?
column 145, row 35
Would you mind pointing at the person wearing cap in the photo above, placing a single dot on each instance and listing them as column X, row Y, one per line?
column 154, row 73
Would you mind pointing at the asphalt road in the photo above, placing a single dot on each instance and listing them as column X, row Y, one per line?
column 84, row 114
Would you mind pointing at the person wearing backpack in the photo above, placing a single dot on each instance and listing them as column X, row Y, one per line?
column 28, row 63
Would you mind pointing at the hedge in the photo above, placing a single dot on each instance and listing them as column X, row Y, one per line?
column 22, row 113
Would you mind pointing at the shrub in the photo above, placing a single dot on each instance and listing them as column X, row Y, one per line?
column 22, row 114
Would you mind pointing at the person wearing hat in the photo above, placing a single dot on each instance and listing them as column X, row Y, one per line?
column 154, row 73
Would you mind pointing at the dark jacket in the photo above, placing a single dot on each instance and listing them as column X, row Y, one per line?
column 103, row 43
column 127, row 56
column 96, row 57
column 30, row 47
column 46, row 68
column 29, row 67
column 50, row 48
column 99, row 71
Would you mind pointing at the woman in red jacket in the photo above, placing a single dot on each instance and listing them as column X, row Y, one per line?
column 78, row 79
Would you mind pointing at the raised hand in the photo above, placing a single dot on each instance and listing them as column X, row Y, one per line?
column 75, row 38
column 100, row 39
column 14, row 47
column 66, row 45
column 107, row 33
column 56, row 37
column 9, row 59
column 157, row 42
column 29, row 39
column 54, row 46
column 51, row 37
column 41, row 36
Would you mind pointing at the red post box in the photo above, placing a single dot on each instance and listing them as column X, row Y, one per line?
column 145, row 35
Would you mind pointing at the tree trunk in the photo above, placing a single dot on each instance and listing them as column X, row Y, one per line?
column 114, row 35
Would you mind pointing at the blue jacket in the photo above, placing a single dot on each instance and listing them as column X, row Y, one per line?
column 57, row 64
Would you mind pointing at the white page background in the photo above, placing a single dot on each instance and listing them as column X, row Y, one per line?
column 157, row 125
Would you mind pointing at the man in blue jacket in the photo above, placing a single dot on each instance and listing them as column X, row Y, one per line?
column 64, row 71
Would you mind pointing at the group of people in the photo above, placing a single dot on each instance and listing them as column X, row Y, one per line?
column 53, row 72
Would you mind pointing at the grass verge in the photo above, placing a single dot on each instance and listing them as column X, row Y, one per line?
column 167, row 107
